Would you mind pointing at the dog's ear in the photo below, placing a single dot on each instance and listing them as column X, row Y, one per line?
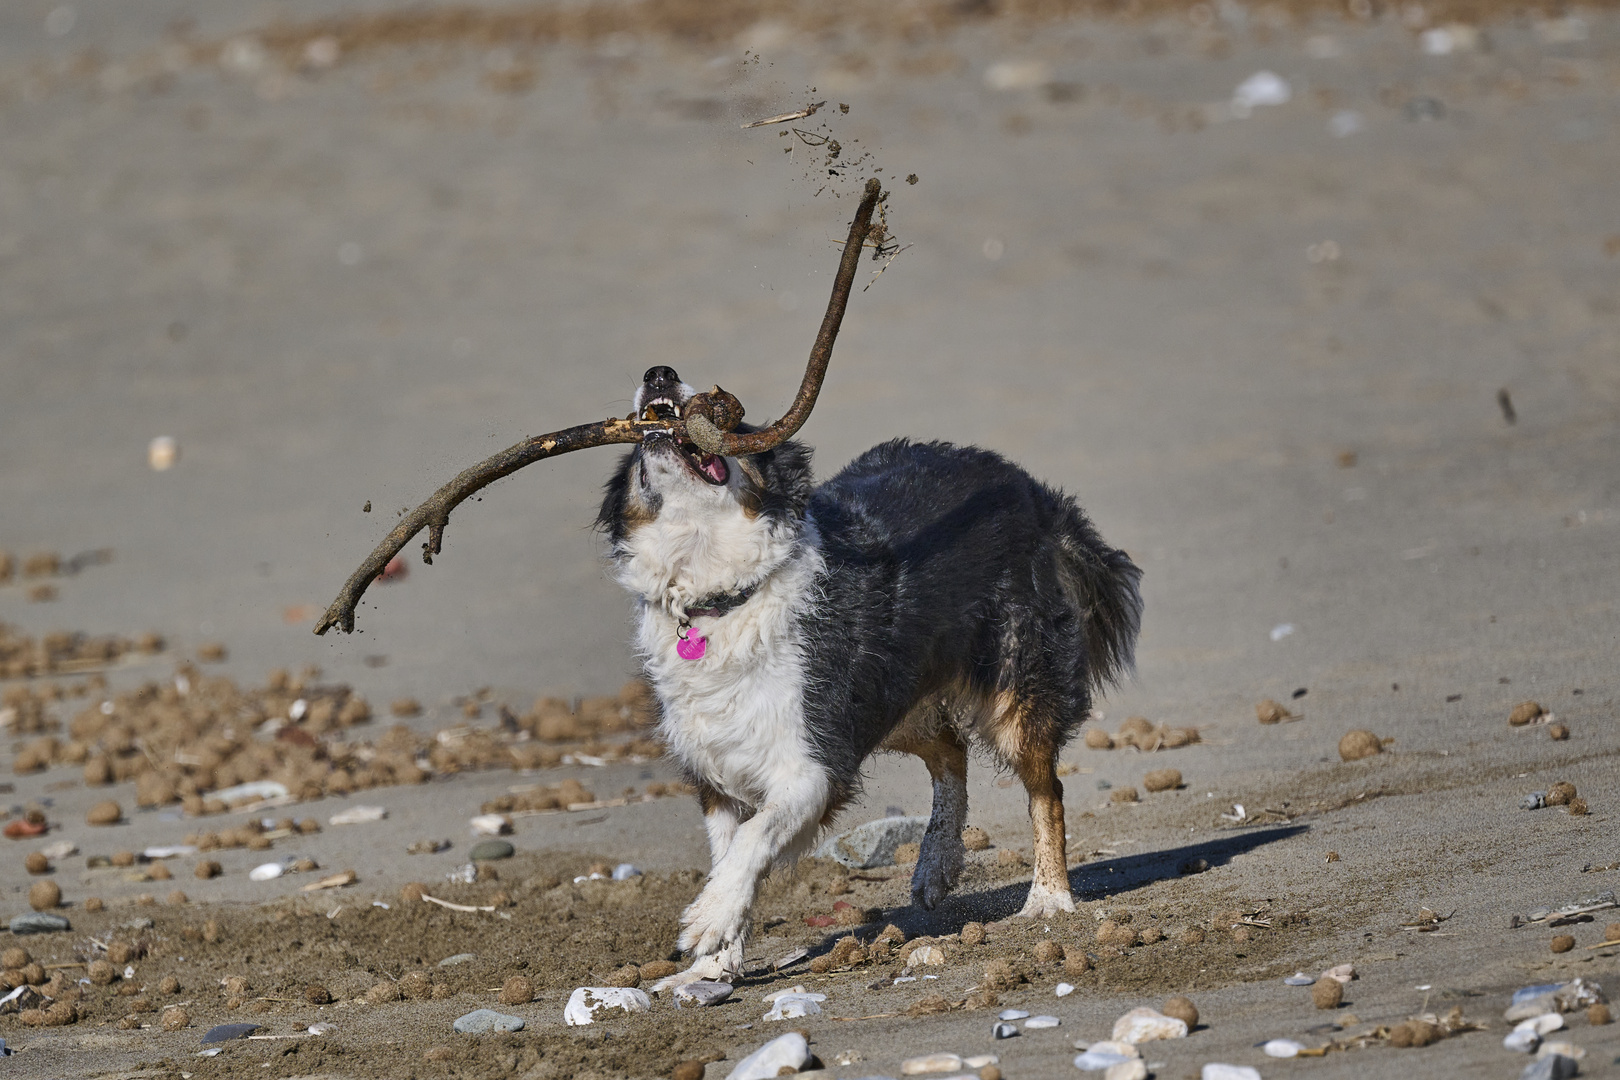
column 786, row 471
column 614, row 517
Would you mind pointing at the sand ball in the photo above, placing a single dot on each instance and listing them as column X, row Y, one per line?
column 517, row 990
column 1182, row 1009
column 1562, row 943
column 1359, row 744
column 1327, row 993
column 105, row 813
column 44, row 895
column 1162, row 780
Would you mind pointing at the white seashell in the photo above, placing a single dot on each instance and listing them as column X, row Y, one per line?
column 489, row 825
column 586, row 1001
column 1063, row 990
column 1545, row 1024
column 358, row 815
column 1282, row 1048
column 931, row 1063
column 1041, row 1022
column 1012, row 1014
column 930, row 955
column 266, row 872
column 1145, row 1025
column 1299, row 978
column 1342, row 972
column 790, row 1006
column 979, row 1061
column 1217, row 1071
column 788, row 1052
column 1522, row 1040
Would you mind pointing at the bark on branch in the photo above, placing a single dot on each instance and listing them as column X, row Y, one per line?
column 709, row 423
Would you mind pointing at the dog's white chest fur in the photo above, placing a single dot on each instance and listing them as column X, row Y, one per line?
column 735, row 716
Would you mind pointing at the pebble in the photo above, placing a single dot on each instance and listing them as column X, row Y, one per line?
column 252, row 791
column 227, row 1032
column 1063, row 989
column 490, row 825
column 1359, row 744
column 358, row 815
column 928, row 1063
column 1533, row 801
column 458, row 958
column 266, row 871
column 1551, row 1067
column 1522, row 1040
column 488, row 850
column 44, row 895
column 1183, row 1009
column 793, row 1005
column 1134, row 1069
column 1217, row 1071
column 979, row 1061
column 790, row 1052
column 703, row 992
column 872, row 844
column 1299, row 978
column 1282, row 1048
column 1327, row 993
column 1145, row 1025
column 625, row 871
column 1041, row 1022
column 483, row 1021
column 1012, row 1014
column 1100, row 1056
column 1004, row 1031
column 587, row 1001
column 39, row 923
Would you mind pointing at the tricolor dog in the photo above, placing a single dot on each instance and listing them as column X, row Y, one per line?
column 928, row 598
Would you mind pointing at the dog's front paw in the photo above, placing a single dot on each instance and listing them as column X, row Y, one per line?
column 1045, row 902
column 711, row 922
column 938, row 868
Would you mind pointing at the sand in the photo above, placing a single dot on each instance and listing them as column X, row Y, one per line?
column 1266, row 357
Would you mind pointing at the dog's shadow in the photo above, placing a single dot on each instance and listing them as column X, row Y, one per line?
column 1090, row 881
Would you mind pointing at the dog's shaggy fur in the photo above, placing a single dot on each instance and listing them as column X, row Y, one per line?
column 926, row 598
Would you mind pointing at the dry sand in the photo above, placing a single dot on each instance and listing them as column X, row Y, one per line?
column 1265, row 356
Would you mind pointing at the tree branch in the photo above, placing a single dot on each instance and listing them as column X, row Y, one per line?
column 709, row 422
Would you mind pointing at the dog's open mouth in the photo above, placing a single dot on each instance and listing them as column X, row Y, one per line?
column 711, row 468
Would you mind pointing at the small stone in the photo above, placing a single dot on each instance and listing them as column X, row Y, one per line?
column 484, row 1021
column 975, row 838
column 1359, row 744
column 227, row 1032
column 105, row 813
column 488, row 850
column 1183, row 1009
column 175, row 1018
column 1105, row 1055
column 44, row 895
column 1271, row 712
column 703, row 992
column 1598, row 1014
column 625, row 871
column 1551, row 1067
column 872, row 844
column 266, row 871
column 1524, row 712
column 1012, row 1014
column 39, row 923
column 1004, row 1031
column 1218, row 1071
column 972, row 933
column 1162, row 780
column 781, row 1056
column 1038, row 1022
column 1327, row 993
column 1563, row 943
column 1533, row 801
column 586, row 1001
column 517, row 990
column 1124, row 795
column 1063, row 989
column 1146, row 1025
column 927, row 1063
column 1282, row 1048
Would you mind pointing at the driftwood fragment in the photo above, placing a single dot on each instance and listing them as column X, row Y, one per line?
column 709, row 423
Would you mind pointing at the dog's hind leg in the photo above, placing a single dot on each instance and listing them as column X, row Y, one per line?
column 940, row 863
column 1049, row 886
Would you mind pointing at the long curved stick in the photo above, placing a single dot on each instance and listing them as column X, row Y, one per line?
column 709, row 421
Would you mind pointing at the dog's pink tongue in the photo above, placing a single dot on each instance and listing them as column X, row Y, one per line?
column 714, row 466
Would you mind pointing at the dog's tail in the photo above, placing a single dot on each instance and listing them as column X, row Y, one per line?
column 1102, row 583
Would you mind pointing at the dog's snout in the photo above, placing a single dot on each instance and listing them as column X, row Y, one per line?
column 661, row 376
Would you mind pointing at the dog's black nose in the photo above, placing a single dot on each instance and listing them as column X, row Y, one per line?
column 661, row 376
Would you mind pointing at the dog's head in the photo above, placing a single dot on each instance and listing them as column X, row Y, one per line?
column 665, row 478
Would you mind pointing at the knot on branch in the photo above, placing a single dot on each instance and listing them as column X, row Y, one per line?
column 709, row 416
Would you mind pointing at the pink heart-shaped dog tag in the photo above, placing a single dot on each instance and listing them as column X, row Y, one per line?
column 692, row 646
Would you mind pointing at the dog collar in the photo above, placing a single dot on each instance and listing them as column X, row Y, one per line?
column 717, row 604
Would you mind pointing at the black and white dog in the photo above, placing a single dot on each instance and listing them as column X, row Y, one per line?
column 926, row 598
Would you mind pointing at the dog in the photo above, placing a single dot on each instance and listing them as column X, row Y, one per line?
column 928, row 599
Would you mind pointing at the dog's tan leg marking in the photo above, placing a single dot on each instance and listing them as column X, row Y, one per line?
column 1036, row 766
